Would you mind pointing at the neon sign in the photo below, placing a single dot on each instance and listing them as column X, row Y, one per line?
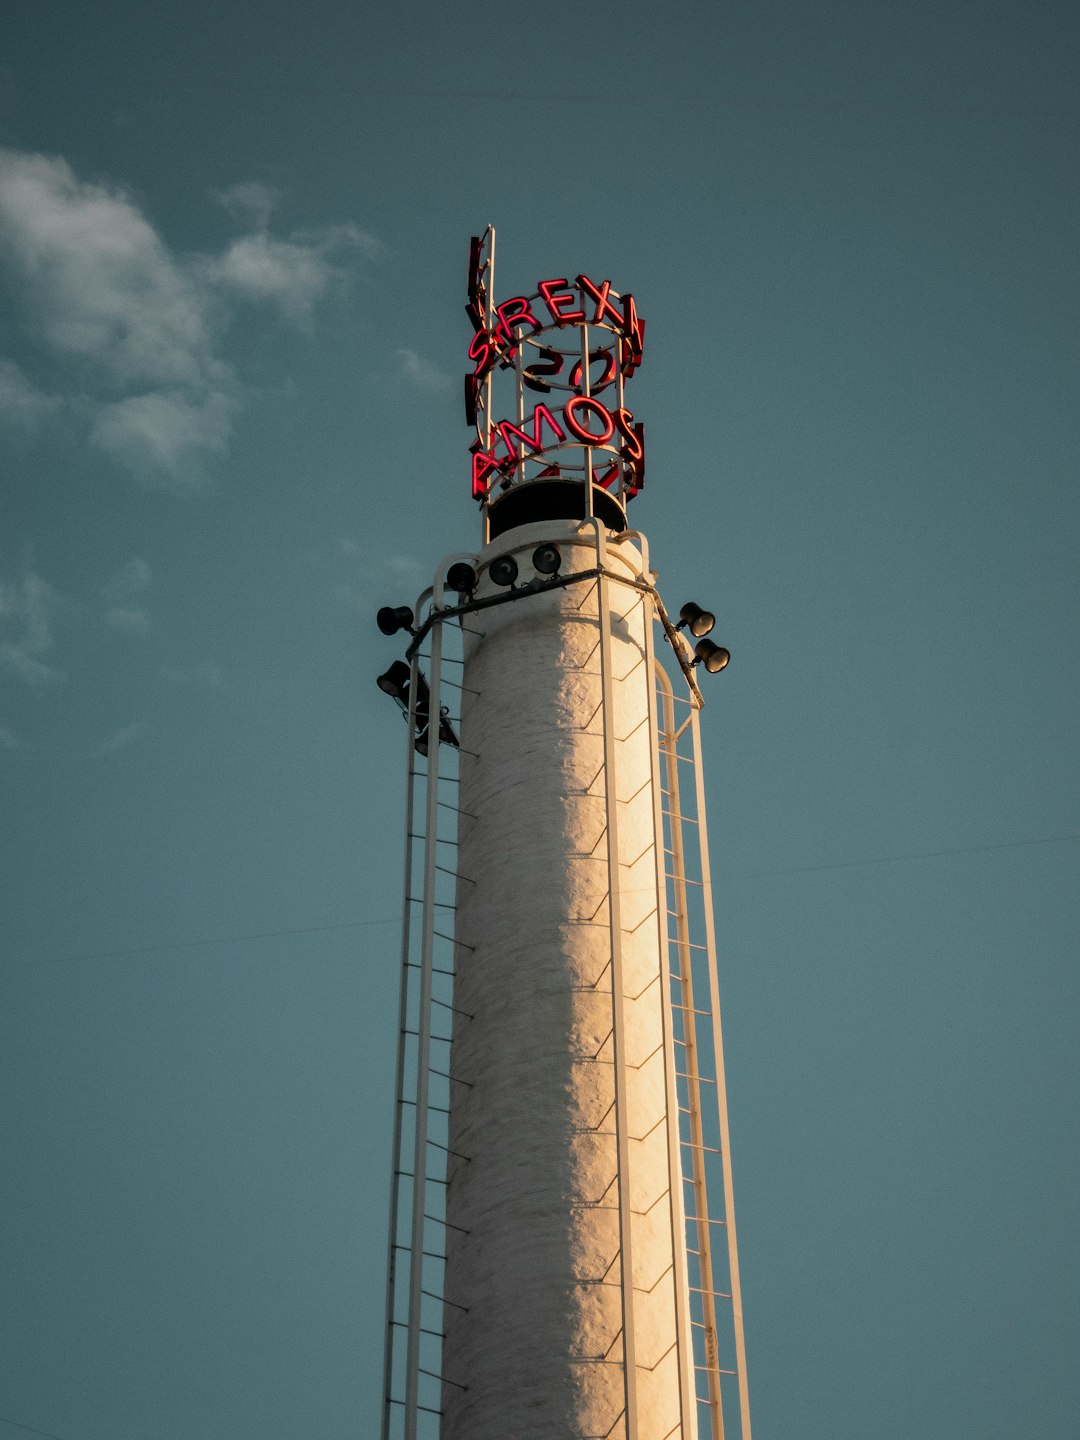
column 576, row 342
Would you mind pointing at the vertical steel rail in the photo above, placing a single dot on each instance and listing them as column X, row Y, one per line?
column 486, row 522
column 423, row 1059
column 585, row 388
column 399, row 1098
column 683, row 1331
column 692, row 1073
column 721, row 1086
column 622, row 1141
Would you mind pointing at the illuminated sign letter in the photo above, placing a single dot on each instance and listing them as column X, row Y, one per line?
column 482, row 466
column 535, row 441
column 483, row 352
column 557, row 301
column 635, row 328
column 515, row 312
column 530, row 374
column 584, row 434
column 608, row 357
column 603, row 304
column 634, row 449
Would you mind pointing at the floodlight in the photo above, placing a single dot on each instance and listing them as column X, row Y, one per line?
column 461, row 577
column 392, row 618
column 395, row 682
column 504, row 570
column 546, row 559
column 446, row 732
column 713, row 657
column 699, row 621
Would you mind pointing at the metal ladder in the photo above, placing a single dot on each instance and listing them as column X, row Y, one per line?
column 719, row 1351
column 422, row 1161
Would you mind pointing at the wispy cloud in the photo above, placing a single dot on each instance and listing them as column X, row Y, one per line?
column 21, row 402
column 8, row 739
column 133, row 578
column 120, row 739
column 421, row 372
column 25, row 622
column 124, row 596
column 132, row 619
column 250, row 201
column 166, row 436
column 134, row 330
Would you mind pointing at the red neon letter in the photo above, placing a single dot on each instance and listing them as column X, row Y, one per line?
column 483, row 352
column 514, row 312
column 635, row 328
column 603, row 304
column 608, row 356
column 634, row 449
column 552, row 365
column 535, row 441
column 585, row 402
column 482, row 465
column 557, row 302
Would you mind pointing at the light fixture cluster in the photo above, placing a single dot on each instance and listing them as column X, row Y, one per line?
column 706, row 652
column 395, row 682
column 546, row 562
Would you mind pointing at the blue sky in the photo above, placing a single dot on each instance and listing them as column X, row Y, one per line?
column 232, row 263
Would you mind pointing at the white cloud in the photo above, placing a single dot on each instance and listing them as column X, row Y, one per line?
column 132, row 619
column 21, row 402
column 25, row 613
column 164, row 437
column 250, row 200
column 421, row 372
column 101, row 284
column 133, row 329
column 291, row 274
column 119, row 739
column 258, row 267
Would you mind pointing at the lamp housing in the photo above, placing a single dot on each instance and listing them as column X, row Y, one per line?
column 461, row 577
column 392, row 618
column 395, row 681
column 547, row 559
column 698, row 621
column 503, row 570
column 714, row 657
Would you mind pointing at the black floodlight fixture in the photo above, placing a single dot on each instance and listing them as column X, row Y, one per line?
column 446, row 733
column 698, row 621
column 713, row 657
column 547, row 560
column 461, row 577
column 395, row 682
column 503, row 571
column 392, row 618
